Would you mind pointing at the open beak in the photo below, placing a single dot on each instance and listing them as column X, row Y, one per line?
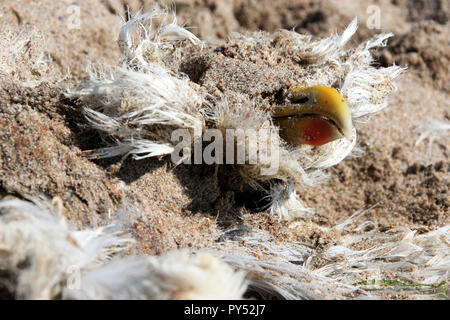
column 315, row 115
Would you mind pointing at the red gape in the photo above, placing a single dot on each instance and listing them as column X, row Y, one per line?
column 317, row 132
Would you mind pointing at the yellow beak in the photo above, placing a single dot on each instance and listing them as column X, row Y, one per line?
column 315, row 116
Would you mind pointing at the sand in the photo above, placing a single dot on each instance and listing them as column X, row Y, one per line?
column 42, row 133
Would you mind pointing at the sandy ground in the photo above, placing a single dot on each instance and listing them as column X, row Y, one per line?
column 42, row 135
